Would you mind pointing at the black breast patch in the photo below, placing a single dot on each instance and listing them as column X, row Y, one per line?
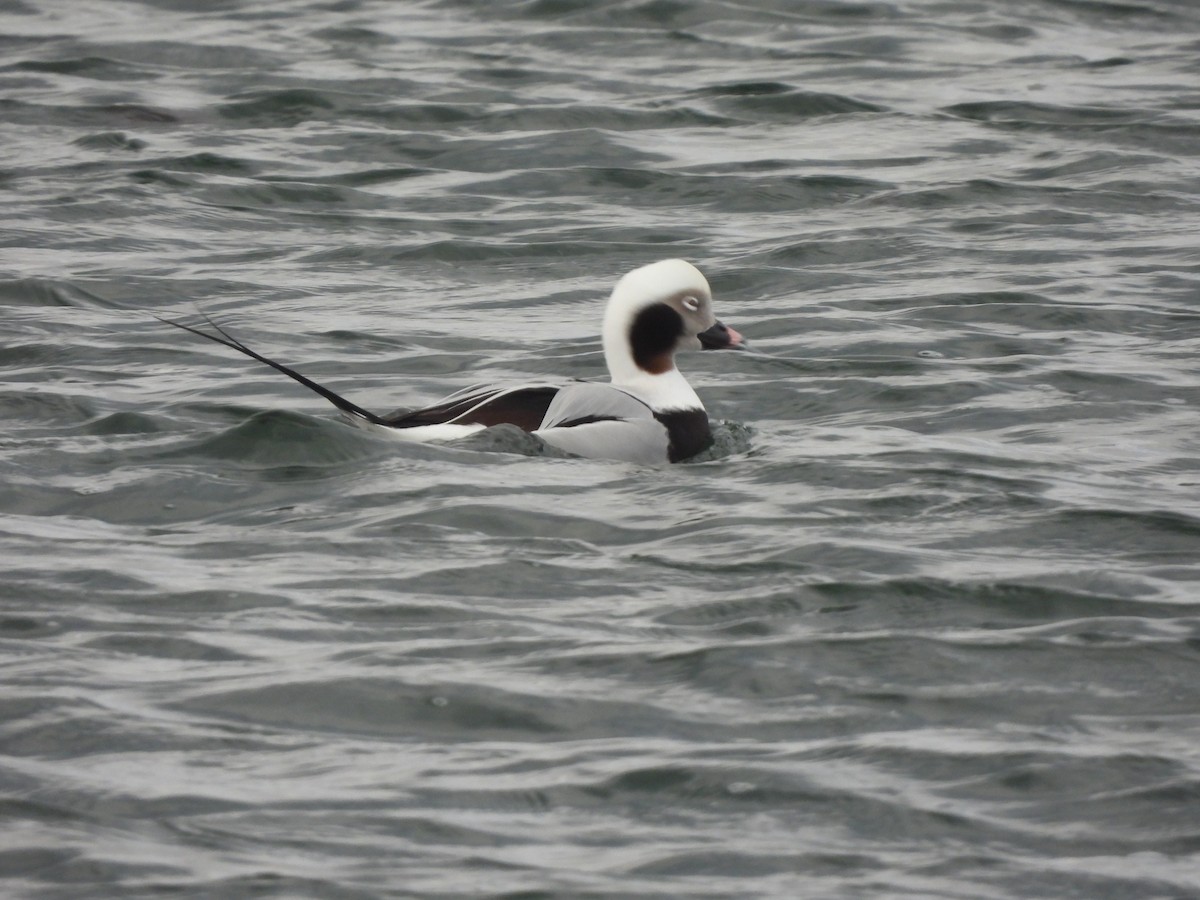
column 687, row 431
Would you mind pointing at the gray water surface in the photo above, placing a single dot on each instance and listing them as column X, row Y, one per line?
column 924, row 623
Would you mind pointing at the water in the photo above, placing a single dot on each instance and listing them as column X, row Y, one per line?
column 924, row 624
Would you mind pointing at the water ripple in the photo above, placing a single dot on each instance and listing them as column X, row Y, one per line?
column 921, row 623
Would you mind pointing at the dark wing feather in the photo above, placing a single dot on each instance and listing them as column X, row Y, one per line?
column 524, row 407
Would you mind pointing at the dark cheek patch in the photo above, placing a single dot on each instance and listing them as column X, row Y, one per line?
column 658, row 364
column 653, row 336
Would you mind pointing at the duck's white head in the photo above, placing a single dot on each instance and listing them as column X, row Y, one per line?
column 656, row 311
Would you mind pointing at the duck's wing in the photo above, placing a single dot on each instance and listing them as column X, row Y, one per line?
column 581, row 402
column 524, row 406
column 604, row 422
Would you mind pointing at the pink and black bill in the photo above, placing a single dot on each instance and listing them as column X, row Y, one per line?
column 721, row 337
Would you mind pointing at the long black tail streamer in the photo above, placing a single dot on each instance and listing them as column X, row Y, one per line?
column 225, row 338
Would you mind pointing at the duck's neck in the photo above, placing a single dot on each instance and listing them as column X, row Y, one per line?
column 664, row 392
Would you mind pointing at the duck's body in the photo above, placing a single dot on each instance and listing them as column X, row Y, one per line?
column 647, row 414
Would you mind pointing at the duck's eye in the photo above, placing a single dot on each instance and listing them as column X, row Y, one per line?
column 691, row 303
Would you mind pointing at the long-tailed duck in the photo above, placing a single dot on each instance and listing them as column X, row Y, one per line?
column 647, row 414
